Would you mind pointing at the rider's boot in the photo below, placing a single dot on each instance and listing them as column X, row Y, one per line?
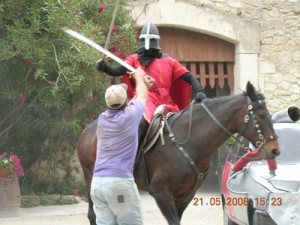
column 143, row 127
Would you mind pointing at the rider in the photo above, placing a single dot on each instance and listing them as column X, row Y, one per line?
column 165, row 70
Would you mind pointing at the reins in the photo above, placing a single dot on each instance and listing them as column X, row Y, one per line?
column 221, row 126
column 250, row 115
column 179, row 144
column 189, row 127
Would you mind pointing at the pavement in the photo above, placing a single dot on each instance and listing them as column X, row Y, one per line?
column 45, row 214
column 56, row 214
column 76, row 214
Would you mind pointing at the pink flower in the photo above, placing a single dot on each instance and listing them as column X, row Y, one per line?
column 11, row 163
column 66, row 118
column 22, row 96
column 123, row 56
column 27, row 62
column 121, row 38
column 95, row 98
column 101, row 8
column 91, row 118
column 114, row 29
column 113, row 48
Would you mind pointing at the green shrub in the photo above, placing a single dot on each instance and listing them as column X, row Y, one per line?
column 49, row 87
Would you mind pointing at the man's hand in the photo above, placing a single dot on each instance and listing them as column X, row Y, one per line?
column 141, row 87
column 149, row 81
column 139, row 73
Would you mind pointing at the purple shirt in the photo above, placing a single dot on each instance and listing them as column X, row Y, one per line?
column 117, row 141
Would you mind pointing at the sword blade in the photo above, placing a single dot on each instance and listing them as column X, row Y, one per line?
column 98, row 47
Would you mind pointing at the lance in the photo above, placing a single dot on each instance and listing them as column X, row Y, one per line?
column 111, row 26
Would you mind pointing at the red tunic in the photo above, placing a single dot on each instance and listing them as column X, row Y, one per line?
column 166, row 72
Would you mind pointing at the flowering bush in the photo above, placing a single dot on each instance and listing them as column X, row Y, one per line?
column 47, row 83
column 11, row 163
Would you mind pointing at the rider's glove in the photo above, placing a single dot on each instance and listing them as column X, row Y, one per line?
column 101, row 65
column 200, row 95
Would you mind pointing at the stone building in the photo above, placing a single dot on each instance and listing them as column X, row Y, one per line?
column 259, row 38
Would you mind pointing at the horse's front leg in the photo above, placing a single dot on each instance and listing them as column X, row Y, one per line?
column 164, row 200
column 181, row 207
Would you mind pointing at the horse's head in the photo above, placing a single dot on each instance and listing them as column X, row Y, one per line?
column 257, row 125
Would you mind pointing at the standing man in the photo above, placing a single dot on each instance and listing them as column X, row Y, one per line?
column 166, row 71
column 113, row 190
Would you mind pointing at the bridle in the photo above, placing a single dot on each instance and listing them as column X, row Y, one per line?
column 248, row 116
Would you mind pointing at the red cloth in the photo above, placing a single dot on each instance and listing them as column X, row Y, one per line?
column 242, row 162
column 168, row 88
column 272, row 164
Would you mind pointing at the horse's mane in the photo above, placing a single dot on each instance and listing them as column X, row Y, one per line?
column 214, row 102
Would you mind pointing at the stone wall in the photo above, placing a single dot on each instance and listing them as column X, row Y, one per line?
column 61, row 172
column 271, row 26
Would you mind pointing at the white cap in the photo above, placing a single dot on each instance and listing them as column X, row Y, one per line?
column 116, row 96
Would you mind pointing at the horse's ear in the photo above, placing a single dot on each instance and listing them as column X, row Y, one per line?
column 251, row 92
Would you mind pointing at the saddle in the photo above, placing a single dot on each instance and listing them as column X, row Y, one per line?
column 155, row 130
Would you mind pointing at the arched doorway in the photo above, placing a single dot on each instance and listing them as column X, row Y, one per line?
column 208, row 58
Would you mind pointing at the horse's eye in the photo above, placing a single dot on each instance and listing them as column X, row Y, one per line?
column 261, row 115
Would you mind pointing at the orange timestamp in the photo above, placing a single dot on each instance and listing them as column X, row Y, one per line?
column 237, row 201
column 274, row 201
column 212, row 201
column 217, row 201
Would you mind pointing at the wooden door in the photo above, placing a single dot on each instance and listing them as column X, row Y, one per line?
column 208, row 58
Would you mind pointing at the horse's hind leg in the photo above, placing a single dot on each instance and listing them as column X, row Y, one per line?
column 91, row 214
column 164, row 200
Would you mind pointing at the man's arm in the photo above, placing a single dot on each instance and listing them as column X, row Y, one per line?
column 143, row 83
column 103, row 66
column 189, row 78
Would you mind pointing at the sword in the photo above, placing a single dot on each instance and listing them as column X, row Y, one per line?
column 98, row 47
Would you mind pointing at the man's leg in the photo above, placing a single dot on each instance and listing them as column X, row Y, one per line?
column 124, row 200
column 104, row 215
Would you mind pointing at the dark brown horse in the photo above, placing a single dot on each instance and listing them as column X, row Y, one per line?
column 178, row 168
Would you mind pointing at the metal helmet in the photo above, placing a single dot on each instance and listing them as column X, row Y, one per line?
column 149, row 37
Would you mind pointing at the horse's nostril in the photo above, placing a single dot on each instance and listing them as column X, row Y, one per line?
column 275, row 152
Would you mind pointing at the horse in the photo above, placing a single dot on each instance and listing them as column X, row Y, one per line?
column 178, row 167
